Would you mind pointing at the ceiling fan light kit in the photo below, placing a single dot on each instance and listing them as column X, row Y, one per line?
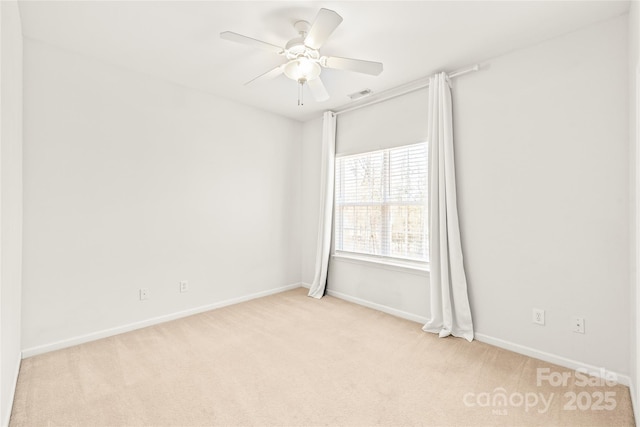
column 304, row 62
column 302, row 69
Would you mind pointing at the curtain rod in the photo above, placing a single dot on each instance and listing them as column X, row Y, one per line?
column 403, row 90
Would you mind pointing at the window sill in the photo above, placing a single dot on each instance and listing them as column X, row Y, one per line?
column 387, row 264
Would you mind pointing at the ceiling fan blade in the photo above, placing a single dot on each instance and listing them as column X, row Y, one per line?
column 326, row 22
column 239, row 38
column 268, row 75
column 357, row 65
column 318, row 90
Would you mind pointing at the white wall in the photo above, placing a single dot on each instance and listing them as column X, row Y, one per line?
column 132, row 182
column 542, row 152
column 634, row 161
column 10, row 201
column 310, row 201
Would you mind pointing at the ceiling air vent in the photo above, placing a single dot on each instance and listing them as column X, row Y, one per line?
column 361, row 94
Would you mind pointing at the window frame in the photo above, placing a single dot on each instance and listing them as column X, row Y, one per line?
column 386, row 230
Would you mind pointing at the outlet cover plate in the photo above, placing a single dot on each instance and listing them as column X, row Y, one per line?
column 578, row 324
column 538, row 316
column 184, row 286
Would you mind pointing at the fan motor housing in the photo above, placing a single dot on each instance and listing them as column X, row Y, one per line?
column 296, row 48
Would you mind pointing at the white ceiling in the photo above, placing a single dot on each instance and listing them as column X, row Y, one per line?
column 179, row 40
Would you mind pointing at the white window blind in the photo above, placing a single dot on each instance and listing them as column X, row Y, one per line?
column 381, row 203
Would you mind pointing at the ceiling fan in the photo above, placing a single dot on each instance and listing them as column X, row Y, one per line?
column 304, row 62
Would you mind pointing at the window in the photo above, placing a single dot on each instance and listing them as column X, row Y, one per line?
column 381, row 203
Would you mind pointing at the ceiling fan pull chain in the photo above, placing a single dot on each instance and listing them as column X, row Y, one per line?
column 300, row 92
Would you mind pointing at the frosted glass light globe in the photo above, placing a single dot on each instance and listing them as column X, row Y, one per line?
column 302, row 69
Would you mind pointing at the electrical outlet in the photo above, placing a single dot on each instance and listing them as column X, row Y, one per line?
column 184, row 286
column 144, row 294
column 578, row 325
column 538, row 316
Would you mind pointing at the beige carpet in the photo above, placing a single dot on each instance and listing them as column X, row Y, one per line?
column 290, row 360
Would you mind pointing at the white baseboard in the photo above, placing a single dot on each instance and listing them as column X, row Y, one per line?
column 69, row 342
column 379, row 307
column 7, row 417
column 517, row 348
column 634, row 405
column 553, row 358
column 305, row 285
